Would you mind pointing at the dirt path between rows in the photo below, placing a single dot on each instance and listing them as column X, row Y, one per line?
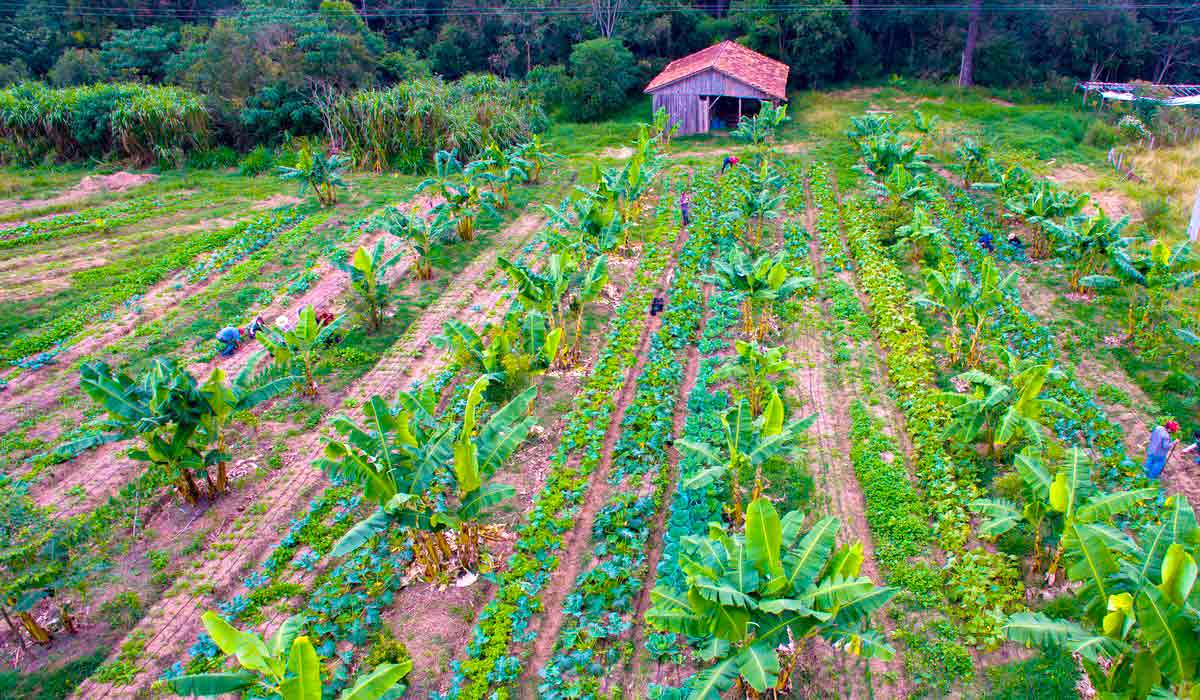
column 634, row 677
column 101, row 472
column 173, row 623
column 830, row 399
column 577, row 549
column 34, row 392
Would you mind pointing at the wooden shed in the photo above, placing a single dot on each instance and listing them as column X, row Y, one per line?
column 714, row 87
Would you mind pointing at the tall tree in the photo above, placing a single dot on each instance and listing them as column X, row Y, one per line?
column 967, row 69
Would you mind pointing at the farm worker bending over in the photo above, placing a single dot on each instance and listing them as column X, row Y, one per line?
column 1159, row 447
column 985, row 242
column 730, row 161
column 232, row 336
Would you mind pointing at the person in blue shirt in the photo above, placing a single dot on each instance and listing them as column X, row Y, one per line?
column 985, row 242
column 1159, row 448
column 231, row 336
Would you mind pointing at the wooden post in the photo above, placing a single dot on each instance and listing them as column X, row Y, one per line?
column 1194, row 225
column 739, row 119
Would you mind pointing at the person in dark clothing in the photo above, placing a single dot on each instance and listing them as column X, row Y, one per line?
column 730, row 161
column 656, row 305
column 685, row 208
column 985, row 242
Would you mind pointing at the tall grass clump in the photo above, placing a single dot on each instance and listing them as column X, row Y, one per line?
column 404, row 125
column 142, row 123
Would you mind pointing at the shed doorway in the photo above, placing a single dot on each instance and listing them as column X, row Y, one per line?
column 725, row 112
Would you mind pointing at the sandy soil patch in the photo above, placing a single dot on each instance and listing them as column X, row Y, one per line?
column 622, row 153
column 276, row 201
column 90, row 185
column 1082, row 178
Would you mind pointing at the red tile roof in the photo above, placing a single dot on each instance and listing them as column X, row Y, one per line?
column 733, row 60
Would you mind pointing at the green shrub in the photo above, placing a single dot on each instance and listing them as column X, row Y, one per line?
column 1156, row 213
column 1052, row 674
column 260, row 160
column 123, row 610
column 53, row 683
column 602, row 73
column 213, row 158
column 1101, row 134
column 78, row 67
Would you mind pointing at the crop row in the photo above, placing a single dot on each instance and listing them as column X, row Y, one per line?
column 978, row 581
column 504, row 623
column 1022, row 333
column 599, row 609
column 91, row 220
column 133, row 283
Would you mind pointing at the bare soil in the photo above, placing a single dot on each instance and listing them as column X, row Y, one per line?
column 577, row 548
column 88, row 186
column 173, row 622
column 1115, row 204
column 835, row 475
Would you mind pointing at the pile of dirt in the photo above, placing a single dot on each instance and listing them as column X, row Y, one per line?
column 90, row 185
column 117, row 182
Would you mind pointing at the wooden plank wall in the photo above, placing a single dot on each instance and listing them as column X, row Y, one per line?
column 682, row 98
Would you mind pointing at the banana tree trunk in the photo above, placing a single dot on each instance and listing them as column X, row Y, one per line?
column 40, row 634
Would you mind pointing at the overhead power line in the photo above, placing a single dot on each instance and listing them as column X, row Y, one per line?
column 586, row 9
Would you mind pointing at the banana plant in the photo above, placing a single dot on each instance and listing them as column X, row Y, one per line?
column 924, row 125
column 587, row 224
column 544, row 291
column 1091, row 245
column 757, row 371
column 759, row 131
column 986, row 296
column 228, row 399
column 1041, row 205
column 748, row 444
column 425, row 473
column 320, row 171
column 904, row 185
column 953, row 295
column 534, row 153
column 372, row 294
column 1000, row 410
column 43, row 559
column 585, row 289
column 300, row 347
column 502, row 168
column 164, row 408
column 462, row 192
column 756, row 595
column 766, row 281
column 1055, row 500
column 1138, row 635
column 918, row 235
column 664, row 127
column 286, row 667
column 1148, row 284
column 511, row 352
column 422, row 233
column 756, row 205
column 974, row 159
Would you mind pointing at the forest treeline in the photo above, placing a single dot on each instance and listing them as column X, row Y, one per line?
column 259, row 62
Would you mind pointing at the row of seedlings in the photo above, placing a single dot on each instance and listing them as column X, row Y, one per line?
column 598, row 611
column 503, row 627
